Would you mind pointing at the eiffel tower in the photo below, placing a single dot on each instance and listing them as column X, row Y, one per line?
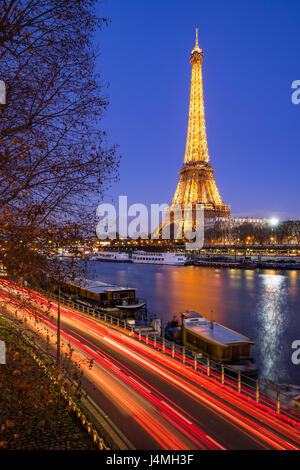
column 197, row 184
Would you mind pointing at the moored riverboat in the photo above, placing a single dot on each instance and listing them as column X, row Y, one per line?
column 111, row 256
column 278, row 266
column 156, row 257
column 213, row 340
column 111, row 299
column 226, row 264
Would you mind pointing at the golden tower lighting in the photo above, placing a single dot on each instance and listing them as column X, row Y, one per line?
column 197, row 183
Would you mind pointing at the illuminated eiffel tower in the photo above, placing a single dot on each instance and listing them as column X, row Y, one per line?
column 197, row 184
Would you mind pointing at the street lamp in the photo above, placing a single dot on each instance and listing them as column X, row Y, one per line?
column 273, row 221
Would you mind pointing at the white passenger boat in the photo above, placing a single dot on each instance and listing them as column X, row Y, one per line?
column 114, row 256
column 65, row 254
column 146, row 257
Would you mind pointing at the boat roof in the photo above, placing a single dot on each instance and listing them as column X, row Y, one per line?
column 105, row 252
column 158, row 253
column 213, row 331
column 99, row 287
column 191, row 314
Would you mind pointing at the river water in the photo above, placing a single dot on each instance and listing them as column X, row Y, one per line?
column 264, row 305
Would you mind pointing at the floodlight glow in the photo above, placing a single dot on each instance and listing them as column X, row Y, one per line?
column 273, row 221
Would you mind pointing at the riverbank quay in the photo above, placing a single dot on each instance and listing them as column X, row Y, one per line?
column 37, row 411
column 262, row 252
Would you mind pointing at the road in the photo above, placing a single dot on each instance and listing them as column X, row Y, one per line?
column 154, row 400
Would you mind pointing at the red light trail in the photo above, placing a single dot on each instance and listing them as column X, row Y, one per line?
column 178, row 407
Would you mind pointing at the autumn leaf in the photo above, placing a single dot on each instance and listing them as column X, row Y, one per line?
column 9, row 424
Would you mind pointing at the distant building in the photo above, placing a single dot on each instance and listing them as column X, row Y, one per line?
column 232, row 222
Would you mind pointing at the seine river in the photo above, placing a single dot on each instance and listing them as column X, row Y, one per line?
column 264, row 305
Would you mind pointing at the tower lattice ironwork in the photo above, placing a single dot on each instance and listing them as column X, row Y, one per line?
column 197, row 184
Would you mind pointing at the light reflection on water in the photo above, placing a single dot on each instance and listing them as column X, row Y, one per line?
column 262, row 305
column 272, row 320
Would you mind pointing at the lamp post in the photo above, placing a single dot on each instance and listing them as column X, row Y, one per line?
column 58, row 329
column 273, row 222
column 58, row 281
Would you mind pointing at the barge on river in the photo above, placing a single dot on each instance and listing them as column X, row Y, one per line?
column 113, row 300
column 226, row 264
column 215, row 341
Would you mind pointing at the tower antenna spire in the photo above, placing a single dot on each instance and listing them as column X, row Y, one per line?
column 197, row 48
column 197, row 41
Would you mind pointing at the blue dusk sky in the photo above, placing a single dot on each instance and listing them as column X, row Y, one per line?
column 251, row 57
